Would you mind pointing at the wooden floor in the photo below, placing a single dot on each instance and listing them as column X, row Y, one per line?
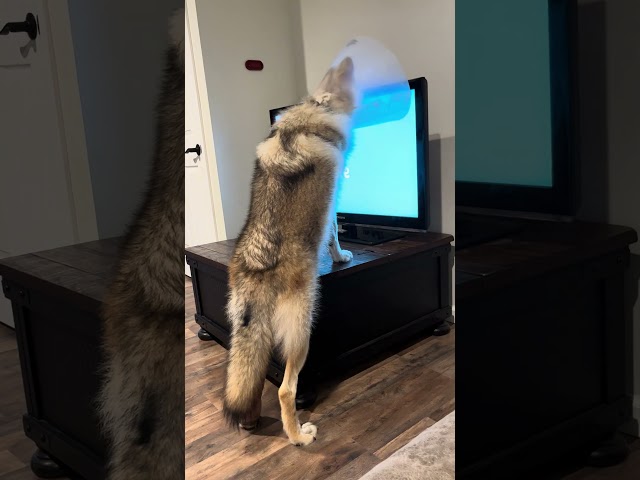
column 361, row 420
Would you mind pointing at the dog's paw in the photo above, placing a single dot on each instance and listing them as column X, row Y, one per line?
column 307, row 436
column 309, row 428
column 344, row 257
column 249, row 426
column 303, row 440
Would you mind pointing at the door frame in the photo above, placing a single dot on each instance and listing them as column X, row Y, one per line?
column 71, row 122
column 191, row 14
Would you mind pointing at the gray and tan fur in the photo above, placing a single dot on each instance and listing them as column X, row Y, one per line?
column 142, row 399
column 273, row 273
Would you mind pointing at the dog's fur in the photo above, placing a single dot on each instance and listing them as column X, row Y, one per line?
column 142, row 397
column 273, row 272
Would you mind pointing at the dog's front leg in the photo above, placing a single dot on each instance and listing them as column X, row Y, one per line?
column 337, row 254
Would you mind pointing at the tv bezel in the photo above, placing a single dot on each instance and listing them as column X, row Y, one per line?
column 421, row 223
column 562, row 197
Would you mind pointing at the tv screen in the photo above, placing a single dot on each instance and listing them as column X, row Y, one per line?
column 516, row 105
column 384, row 178
column 503, row 97
column 380, row 175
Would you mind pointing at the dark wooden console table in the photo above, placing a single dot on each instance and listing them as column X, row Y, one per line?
column 543, row 346
column 385, row 295
column 56, row 296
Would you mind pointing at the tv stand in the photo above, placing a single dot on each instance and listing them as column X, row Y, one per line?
column 547, row 310
column 474, row 229
column 367, row 235
column 387, row 295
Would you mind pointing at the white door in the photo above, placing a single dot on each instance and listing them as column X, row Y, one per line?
column 201, row 223
column 37, row 209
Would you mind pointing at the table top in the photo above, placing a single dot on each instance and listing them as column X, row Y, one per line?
column 219, row 254
column 79, row 273
column 539, row 247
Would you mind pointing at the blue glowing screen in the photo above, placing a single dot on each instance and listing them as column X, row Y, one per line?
column 503, row 93
column 380, row 176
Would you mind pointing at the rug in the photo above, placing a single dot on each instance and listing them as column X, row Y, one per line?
column 429, row 456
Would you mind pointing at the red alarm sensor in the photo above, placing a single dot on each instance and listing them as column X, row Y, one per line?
column 254, row 65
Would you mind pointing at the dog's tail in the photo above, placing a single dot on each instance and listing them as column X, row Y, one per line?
column 177, row 32
column 251, row 345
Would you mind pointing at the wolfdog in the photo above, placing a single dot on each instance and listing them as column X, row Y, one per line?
column 142, row 397
column 273, row 284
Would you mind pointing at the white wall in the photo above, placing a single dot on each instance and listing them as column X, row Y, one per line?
column 610, row 102
column 296, row 40
column 623, row 78
column 609, row 126
column 421, row 33
column 230, row 33
column 119, row 49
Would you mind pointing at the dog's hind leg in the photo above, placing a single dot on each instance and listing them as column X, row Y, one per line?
column 293, row 329
column 298, row 435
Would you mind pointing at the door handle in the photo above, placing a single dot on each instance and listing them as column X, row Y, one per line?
column 197, row 150
column 30, row 26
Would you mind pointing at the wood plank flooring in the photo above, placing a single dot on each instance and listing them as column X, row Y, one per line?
column 361, row 420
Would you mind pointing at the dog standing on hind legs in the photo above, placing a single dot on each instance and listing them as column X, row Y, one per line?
column 273, row 273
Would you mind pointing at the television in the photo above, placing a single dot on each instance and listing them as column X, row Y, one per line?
column 516, row 108
column 383, row 189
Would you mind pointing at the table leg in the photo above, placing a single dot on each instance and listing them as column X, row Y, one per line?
column 43, row 466
column 442, row 329
column 611, row 451
column 306, row 396
column 204, row 335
